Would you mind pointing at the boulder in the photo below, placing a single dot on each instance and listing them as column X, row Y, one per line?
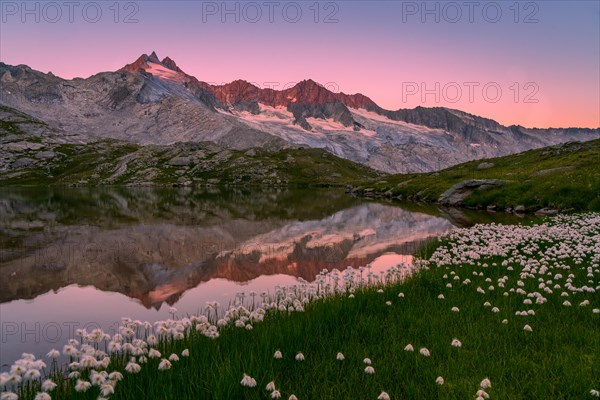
column 459, row 192
column 552, row 171
column 485, row 165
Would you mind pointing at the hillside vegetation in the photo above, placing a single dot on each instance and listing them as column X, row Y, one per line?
column 561, row 177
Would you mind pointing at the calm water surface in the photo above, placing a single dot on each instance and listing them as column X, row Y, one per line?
column 84, row 258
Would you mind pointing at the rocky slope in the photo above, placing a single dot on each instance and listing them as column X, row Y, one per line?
column 154, row 102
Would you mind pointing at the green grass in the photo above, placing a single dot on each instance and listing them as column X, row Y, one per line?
column 576, row 189
column 560, row 359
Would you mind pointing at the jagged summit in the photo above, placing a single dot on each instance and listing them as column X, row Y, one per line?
column 153, row 58
column 169, row 63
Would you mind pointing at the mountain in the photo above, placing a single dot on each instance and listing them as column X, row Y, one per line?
column 154, row 102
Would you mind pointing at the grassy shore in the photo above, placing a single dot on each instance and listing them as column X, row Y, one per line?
column 559, row 177
column 522, row 301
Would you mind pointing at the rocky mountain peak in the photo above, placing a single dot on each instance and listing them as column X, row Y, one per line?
column 153, row 58
column 169, row 63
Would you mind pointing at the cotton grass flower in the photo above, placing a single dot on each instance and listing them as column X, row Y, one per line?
column 455, row 309
column 439, row 380
column 595, row 393
column 270, row 386
column 409, row 347
column 485, row 383
column 424, row 352
column 133, row 368
column 456, row 343
column 370, row 370
column 248, row 381
column 82, row 386
column 292, row 397
column 277, row 355
column 299, row 357
column 173, row 357
column 275, row 394
column 8, row 396
column 340, row 357
column 53, row 354
column 42, row 396
column 48, row 385
column 107, row 389
column 527, row 328
column 367, row 361
column 481, row 394
column 164, row 365
column 383, row 396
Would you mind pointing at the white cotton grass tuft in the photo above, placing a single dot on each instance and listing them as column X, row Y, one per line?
column 53, row 354
column 292, row 397
column 369, row 370
column 299, row 357
column 248, row 381
column 409, row 347
column 367, row 361
column 424, row 352
column 340, row 357
column 270, row 386
column 275, row 394
column 42, row 396
column 595, row 393
column 164, row 365
column 277, row 355
column 48, row 385
column 455, row 309
column 185, row 353
column 527, row 328
column 439, row 380
column 485, row 383
column 82, row 386
column 133, row 368
column 383, row 396
column 482, row 394
column 456, row 343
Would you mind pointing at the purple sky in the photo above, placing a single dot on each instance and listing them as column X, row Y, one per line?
column 543, row 56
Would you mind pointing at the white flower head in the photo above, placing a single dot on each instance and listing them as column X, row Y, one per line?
column 485, row 383
column 299, row 357
column 164, row 365
column 277, row 355
column 340, row 357
column 48, row 385
column 424, row 352
column 383, row 396
column 370, row 370
column 409, row 347
column 439, row 380
column 248, row 381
